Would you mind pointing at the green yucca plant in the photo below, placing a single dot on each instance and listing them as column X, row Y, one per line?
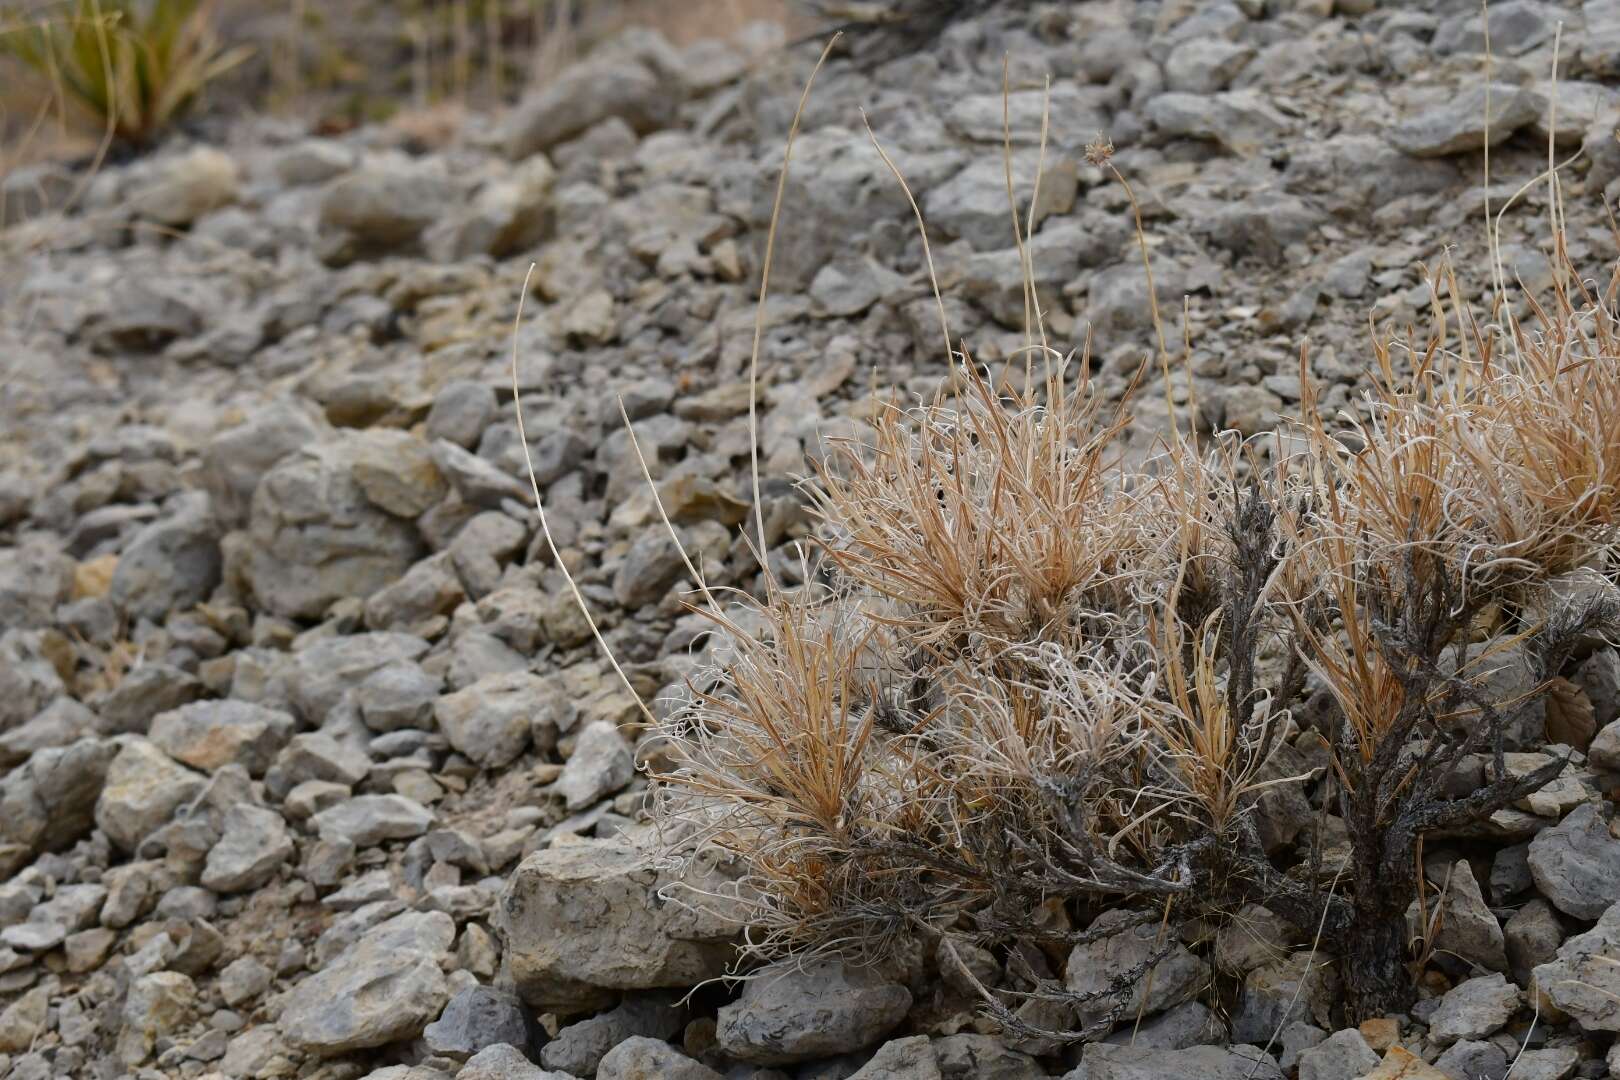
column 135, row 66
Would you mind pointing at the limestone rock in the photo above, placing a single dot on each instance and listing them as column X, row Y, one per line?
column 789, row 1014
column 586, row 919
column 386, row 987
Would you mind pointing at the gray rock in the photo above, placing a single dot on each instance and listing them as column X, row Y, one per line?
column 398, row 696
column 258, row 1051
column 478, row 482
column 490, row 721
column 1584, row 980
column 182, row 188
column 34, row 578
column 1240, row 120
column 1302, row 987
column 61, row 723
column 28, row 677
column 1344, row 1055
column 1516, row 27
column 502, row 1062
column 1095, row 967
column 982, row 1057
column 251, row 849
column 650, row 568
column 329, row 668
column 510, row 213
column 143, row 789
column 1474, row 1009
column 315, row 755
column 209, row 735
column 170, row 565
column 478, row 1017
column 157, row 1005
column 788, row 1014
column 1576, row 863
column 236, row 459
column 1459, row 125
column 388, row 986
column 49, row 803
column 1254, row 937
column 1293, row 1040
column 1205, row 65
column 1471, row 1059
column 142, row 694
column 579, row 1048
column 1468, row 930
column 640, row 1058
column 972, row 204
column 381, row 207
column 24, row 1020
column 849, row 286
column 586, row 919
column 1103, row 1061
column 1604, row 753
column 619, row 80
column 1189, row 1024
column 429, row 589
column 368, row 820
column 1551, row 1063
column 601, row 764
column 902, row 1059
column 460, row 413
column 1532, row 936
column 313, row 161
column 316, row 537
column 243, row 981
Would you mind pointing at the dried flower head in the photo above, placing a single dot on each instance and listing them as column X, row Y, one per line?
column 1100, row 150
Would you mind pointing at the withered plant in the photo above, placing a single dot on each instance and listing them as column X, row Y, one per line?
column 1027, row 683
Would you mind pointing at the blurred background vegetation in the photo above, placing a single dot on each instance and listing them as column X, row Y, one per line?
column 78, row 75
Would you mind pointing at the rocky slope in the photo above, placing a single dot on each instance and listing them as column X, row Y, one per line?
column 311, row 767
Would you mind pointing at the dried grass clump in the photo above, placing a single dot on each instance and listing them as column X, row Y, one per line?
column 134, row 67
column 1029, row 683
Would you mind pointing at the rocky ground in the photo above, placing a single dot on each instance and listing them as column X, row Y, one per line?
column 312, row 769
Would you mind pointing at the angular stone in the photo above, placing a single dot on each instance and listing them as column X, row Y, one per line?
column 157, row 1004
column 640, row 1058
column 1468, row 930
column 1459, row 125
column 478, row 1017
column 788, row 1014
column 1576, row 864
column 579, row 1048
column 252, row 848
column 1344, row 1055
column 1474, row 1009
column 1584, row 980
column 601, row 764
column 208, row 735
column 1095, row 967
column 49, row 803
column 1104, row 1061
column 144, row 788
column 586, row 919
column 170, row 565
column 490, row 721
column 182, row 188
column 368, row 820
column 317, row 538
column 387, row 987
